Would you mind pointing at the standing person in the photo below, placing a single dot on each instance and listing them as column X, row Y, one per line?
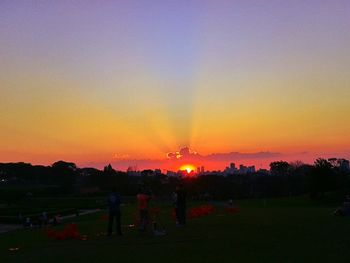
column 181, row 205
column 43, row 219
column 143, row 198
column 57, row 220
column 113, row 203
column 174, row 200
column 20, row 218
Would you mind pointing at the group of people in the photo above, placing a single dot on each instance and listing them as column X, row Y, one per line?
column 40, row 221
column 144, row 197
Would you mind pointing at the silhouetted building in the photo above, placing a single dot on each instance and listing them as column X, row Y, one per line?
column 263, row 171
column 171, row 173
column 246, row 169
column 243, row 169
column 200, row 170
column 251, row 169
column 344, row 165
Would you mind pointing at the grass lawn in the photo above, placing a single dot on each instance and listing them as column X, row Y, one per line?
column 278, row 230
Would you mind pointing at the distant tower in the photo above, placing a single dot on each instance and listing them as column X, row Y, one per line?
column 232, row 166
column 251, row 169
column 243, row 169
column 344, row 165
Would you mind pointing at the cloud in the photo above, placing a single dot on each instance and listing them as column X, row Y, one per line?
column 241, row 156
column 121, row 156
column 182, row 154
column 187, row 154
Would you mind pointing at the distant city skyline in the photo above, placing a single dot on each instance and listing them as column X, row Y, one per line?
column 218, row 161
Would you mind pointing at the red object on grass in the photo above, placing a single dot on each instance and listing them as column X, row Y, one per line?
column 70, row 231
column 200, row 211
column 196, row 212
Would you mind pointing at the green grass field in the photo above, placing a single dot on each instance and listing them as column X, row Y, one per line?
column 275, row 230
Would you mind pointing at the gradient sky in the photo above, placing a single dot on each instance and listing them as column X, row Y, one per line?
column 97, row 81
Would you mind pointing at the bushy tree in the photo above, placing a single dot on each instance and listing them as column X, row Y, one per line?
column 280, row 168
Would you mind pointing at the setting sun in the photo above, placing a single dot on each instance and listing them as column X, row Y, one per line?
column 188, row 168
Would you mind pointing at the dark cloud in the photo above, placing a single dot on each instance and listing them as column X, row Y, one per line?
column 239, row 156
column 183, row 153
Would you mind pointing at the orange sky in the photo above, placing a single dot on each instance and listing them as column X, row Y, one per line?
column 95, row 84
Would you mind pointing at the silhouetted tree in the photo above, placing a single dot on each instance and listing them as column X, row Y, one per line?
column 108, row 170
column 62, row 165
column 280, row 168
column 320, row 178
column 65, row 174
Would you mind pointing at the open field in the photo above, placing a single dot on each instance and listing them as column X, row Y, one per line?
column 275, row 230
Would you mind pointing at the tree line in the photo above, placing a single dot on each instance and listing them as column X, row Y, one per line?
column 283, row 179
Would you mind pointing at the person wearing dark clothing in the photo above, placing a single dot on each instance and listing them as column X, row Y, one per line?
column 181, row 205
column 113, row 203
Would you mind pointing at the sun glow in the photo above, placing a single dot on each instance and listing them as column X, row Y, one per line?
column 188, row 168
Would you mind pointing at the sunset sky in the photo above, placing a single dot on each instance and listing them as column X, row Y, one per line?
column 126, row 82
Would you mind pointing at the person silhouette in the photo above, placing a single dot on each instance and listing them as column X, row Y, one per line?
column 181, row 205
column 114, row 213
